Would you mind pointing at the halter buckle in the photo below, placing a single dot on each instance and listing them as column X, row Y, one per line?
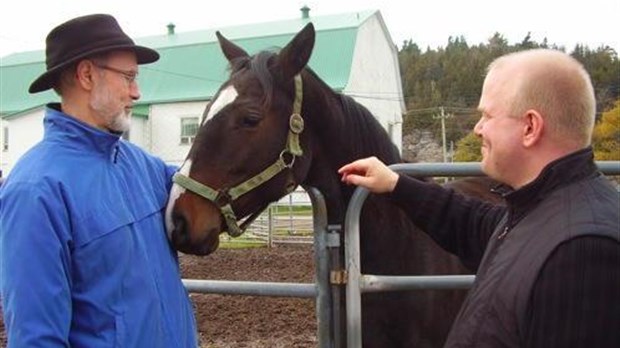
column 289, row 164
column 296, row 123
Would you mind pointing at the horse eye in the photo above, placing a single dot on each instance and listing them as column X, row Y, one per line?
column 250, row 121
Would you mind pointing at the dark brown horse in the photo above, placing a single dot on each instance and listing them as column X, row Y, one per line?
column 250, row 151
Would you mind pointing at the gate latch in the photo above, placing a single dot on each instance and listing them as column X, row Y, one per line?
column 338, row 277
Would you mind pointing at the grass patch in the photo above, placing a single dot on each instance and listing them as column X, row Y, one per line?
column 241, row 244
column 305, row 210
column 244, row 241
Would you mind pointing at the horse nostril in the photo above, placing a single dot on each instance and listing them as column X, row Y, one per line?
column 195, row 242
column 179, row 235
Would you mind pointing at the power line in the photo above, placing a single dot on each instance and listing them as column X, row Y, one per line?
column 453, row 109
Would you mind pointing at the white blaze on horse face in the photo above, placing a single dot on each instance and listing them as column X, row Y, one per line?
column 226, row 97
column 175, row 192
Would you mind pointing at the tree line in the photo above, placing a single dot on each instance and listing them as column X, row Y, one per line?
column 449, row 80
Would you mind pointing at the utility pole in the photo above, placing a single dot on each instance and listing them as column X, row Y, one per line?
column 442, row 116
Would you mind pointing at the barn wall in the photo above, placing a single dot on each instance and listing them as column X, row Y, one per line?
column 375, row 77
column 24, row 131
column 137, row 132
column 165, row 129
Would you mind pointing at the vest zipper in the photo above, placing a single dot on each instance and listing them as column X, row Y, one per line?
column 504, row 233
column 509, row 223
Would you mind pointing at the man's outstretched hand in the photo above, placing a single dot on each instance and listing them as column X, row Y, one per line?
column 369, row 173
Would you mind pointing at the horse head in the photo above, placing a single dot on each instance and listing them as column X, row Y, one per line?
column 250, row 149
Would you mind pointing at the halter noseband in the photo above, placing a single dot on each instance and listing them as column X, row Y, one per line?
column 223, row 198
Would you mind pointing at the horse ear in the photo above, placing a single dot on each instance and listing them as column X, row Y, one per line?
column 296, row 54
column 230, row 50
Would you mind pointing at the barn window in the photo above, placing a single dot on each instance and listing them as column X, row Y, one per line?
column 5, row 139
column 189, row 128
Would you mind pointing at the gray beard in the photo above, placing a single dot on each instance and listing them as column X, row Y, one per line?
column 120, row 123
column 114, row 122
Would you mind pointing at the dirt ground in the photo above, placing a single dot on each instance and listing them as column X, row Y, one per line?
column 247, row 321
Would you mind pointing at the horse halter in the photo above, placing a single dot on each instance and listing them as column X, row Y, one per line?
column 224, row 197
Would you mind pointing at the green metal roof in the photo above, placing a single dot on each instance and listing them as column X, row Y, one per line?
column 192, row 66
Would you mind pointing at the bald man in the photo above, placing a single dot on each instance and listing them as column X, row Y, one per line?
column 548, row 262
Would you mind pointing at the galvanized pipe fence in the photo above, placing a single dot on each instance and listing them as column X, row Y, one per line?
column 281, row 222
column 326, row 239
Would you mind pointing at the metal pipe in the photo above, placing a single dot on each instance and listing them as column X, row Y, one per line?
column 375, row 283
column 323, row 304
column 352, row 259
column 230, row 287
column 336, row 255
column 474, row 169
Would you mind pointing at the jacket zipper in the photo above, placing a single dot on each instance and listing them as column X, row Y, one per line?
column 115, row 154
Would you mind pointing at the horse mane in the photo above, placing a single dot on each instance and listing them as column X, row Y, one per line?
column 355, row 126
column 368, row 136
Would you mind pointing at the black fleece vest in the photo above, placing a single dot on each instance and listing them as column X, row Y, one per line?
column 494, row 314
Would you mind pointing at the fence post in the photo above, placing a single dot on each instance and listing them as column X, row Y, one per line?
column 323, row 299
column 270, row 227
column 336, row 267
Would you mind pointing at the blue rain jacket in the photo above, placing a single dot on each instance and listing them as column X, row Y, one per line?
column 84, row 257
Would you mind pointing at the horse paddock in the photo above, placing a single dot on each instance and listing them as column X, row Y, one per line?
column 247, row 321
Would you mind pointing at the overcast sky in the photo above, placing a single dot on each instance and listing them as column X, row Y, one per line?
column 25, row 23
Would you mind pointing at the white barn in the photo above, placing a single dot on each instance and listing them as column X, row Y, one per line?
column 353, row 53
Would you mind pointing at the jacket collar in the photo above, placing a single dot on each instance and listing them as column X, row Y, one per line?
column 557, row 174
column 75, row 133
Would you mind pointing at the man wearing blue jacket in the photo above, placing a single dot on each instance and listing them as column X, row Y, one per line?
column 84, row 258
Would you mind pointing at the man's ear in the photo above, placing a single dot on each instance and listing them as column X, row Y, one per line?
column 84, row 72
column 533, row 128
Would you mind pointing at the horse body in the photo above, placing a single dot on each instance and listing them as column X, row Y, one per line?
column 389, row 243
column 247, row 133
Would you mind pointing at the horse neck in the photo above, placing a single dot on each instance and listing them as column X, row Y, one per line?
column 340, row 137
column 348, row 128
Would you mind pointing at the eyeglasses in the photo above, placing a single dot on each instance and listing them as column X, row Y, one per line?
column 129, row 76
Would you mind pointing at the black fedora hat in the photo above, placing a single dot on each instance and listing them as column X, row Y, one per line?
column 80, row 38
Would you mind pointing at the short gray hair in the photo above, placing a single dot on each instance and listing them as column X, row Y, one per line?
column 558, row 87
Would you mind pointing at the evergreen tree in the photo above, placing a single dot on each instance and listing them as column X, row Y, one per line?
column 451, row 78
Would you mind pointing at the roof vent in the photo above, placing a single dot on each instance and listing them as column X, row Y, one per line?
column 170, row 28
column 305, row 12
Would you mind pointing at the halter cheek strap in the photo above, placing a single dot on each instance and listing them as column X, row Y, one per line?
column 223, row 198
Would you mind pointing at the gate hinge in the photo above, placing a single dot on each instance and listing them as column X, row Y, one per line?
column 338, row 277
